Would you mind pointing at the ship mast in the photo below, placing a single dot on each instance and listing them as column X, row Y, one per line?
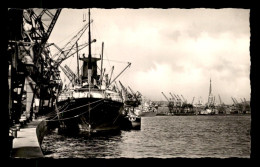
column 101, row 70
column 78, row 79
column 89, row 54
column 89, row 68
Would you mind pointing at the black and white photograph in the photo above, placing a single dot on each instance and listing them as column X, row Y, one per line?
column 128, row 83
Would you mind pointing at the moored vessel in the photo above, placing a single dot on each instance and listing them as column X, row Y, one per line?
column 92, row 105
column 146, row 109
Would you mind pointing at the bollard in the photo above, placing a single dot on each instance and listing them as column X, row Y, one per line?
column 22, row 123
column 14, row 132
column 17, row 127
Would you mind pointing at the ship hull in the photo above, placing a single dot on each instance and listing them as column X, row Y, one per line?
column 135, row 122
column 90, row 114
column 147, row 114
column 207, row 112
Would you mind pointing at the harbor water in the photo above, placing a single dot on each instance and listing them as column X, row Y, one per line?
column 215, row 136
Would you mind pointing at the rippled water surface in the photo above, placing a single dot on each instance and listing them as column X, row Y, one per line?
column 161, row 137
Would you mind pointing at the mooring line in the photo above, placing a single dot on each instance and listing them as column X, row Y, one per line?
column 73, row 116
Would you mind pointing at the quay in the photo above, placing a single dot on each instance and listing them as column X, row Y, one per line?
column 27, row 142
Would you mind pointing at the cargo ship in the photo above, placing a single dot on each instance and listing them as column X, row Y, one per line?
column 92, row 105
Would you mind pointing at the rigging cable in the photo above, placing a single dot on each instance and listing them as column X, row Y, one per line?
column 79, row 107
column 75, row 115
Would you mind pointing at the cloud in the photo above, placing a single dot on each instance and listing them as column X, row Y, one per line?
column 195, row 22
column 173, row 49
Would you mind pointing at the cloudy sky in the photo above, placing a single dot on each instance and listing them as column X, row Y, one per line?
column 171, row 50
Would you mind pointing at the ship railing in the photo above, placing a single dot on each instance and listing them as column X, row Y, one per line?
column 94, row 94
column 115, row 97
column 65, row 95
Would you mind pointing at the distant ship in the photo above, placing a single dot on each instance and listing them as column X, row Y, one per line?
column 136, row 104
column 206, row 112
column 91, row 106
column 147, row 109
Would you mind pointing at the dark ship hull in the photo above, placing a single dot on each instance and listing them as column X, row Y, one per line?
column 102, row 115
column 135, row 122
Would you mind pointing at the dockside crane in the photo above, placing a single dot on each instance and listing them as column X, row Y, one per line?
column 68, row 50
column 128, row 97
column 246, row 101
column 139, row 93
column 28, row 32
column 184, row 100
column 170, row 105
column 234, row 101
column 42, row 22
column 29, row 61
column 65, row 52
column 243, row 105
column 192, row 100
column 247, row 106
column 220, row 102
column 74, row 76
column 57, row 63
column 175, row 103
column 236, row 105
column 122, row 86
column 172, row 97
column 239, row 105
column 134, row 94
column 165, row 97
column 221, row 108
column 180, row 100
column 175, row 97
column 70, row 46
column 124, row 91
column 242, row 102
column 68, row 75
